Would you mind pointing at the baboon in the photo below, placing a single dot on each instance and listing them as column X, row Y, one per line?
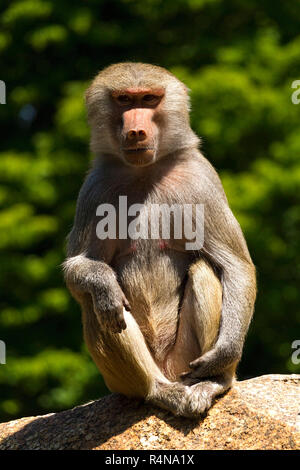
column 160, row 321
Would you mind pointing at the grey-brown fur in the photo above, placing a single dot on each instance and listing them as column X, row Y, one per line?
column 189, row 311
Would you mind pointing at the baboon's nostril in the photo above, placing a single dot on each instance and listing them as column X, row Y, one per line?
column 131, row 135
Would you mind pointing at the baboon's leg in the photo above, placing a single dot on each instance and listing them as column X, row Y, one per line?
column 198, row 329
column 126, row 363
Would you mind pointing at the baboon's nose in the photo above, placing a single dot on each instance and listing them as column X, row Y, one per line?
column 136, row 135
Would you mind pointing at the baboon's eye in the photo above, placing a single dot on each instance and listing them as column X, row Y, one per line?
column 123, row 99
column 151, row 99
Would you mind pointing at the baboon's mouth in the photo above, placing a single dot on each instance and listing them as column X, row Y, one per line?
column 138, row 149
column 139, row 156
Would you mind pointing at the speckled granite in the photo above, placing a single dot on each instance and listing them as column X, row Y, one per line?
column 260, row 413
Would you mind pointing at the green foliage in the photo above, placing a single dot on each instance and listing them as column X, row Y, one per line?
column 239, row 59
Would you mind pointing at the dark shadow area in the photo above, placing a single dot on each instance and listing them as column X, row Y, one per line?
column 89, row 426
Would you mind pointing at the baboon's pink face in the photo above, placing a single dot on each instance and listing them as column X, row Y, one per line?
column 138, row 112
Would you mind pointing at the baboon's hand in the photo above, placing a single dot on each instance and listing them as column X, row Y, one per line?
column 109, row 301
column 213, row 363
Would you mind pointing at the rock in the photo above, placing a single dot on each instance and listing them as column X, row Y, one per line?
column 260, row 413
